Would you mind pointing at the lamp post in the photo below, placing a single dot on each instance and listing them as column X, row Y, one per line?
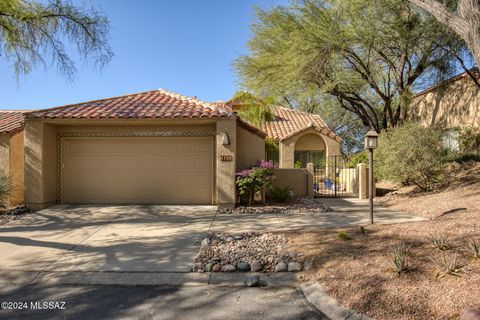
column 371, row 142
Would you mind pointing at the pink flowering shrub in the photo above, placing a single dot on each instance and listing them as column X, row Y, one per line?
column 249, row 181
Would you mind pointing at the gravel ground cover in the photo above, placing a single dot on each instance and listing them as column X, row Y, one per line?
column 359, row 272
column 296, row 206
column 252, row 251
column 10, row 214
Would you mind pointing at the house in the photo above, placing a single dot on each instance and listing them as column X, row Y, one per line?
column 452, row 104
column 11, row 153
column 158, row 147
column 299, row 138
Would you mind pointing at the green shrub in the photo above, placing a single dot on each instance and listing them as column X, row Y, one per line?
column 5, row 187
column 281, row 194
column 469, row 141
column 463, row 157
column 411, row 155
column 359, row 157
column 343, row 235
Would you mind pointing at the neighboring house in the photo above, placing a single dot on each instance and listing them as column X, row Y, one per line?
column 11, row 153
column 158, row 147
column 452, row 104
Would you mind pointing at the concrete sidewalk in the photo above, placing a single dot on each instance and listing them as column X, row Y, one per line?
column 345, row 212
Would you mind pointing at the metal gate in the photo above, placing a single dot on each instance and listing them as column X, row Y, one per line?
column 334, row 178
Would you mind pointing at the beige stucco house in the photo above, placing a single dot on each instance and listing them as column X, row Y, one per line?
column 452, row 104
column 157, row 147
column 12, row 153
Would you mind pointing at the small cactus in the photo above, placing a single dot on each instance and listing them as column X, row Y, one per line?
column 400, row 258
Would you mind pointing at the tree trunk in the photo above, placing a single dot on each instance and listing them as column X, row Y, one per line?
column 465, row 22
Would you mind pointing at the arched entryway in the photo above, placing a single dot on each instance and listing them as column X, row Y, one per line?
column 309, row 148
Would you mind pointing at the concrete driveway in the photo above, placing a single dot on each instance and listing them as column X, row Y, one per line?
column 147, row 238
column 105, row 238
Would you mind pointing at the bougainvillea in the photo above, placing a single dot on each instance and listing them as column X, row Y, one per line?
column 250, row 181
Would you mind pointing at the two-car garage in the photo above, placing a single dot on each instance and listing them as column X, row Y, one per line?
column 123, row 170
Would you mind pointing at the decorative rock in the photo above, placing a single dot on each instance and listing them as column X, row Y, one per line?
column 205, row 242
column 217, row 268
column 470, row 314
column 238, row 237
column 228, row 268
column 253, row 281
column 256, row 266
column 215, row 242
column 293, row 254
column 243, row 266
column 208, row 267
column 294, row 267
column 229, row 239
column 281, row 267
column 308, row 265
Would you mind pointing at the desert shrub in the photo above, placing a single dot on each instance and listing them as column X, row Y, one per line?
column 249, row 181
column 439, row 242
column 359, row 157
column 343, row 235
column 463, row 157
column 473, row 248
column 399, row 255
column 281, row 194
column 447, row 267
column 5, row 187
column 469, row 141
column 411, row 155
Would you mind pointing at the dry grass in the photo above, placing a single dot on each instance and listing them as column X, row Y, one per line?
column 359, row 272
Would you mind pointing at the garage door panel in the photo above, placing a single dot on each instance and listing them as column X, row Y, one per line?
column 137, row 170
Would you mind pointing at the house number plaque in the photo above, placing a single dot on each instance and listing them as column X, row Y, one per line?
column 226, row 158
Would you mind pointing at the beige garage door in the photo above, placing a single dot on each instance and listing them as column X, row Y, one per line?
column 137, row 170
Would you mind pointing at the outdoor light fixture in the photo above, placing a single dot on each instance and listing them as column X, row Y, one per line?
column 371, row 142
column 225, row 139
column 371, row 139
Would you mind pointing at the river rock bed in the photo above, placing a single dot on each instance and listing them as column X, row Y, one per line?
column 243, row 252
column 298, row 206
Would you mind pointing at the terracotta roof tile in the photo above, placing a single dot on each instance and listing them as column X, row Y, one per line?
column 289, row 122
column 11, row 121
column 153, row 104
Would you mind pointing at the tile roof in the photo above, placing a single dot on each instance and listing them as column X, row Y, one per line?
column 155, row 104
column 289, row 122
column 11, row 121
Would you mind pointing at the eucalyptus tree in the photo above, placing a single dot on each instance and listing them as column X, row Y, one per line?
column 34, row 33
column 369, row 55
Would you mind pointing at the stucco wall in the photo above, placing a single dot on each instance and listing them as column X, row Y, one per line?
column 226, row 169
column 250, row 148
column 297, row 179
column 17, row 168
column 287, row 146
column 455, row 105
column 310, row 142
column 5, row 153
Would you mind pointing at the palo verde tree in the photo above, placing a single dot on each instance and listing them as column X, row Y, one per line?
column 34, row 33
column 369, row 55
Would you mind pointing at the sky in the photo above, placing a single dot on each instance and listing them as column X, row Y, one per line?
column 185, row 46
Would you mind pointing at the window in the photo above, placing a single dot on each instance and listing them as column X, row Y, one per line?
column 304, row 157
column 273, row 154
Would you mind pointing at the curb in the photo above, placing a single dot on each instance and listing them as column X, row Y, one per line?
column 327, row 305
column 236, row 279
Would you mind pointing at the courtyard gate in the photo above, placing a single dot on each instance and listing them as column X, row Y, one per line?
column 333, row 178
